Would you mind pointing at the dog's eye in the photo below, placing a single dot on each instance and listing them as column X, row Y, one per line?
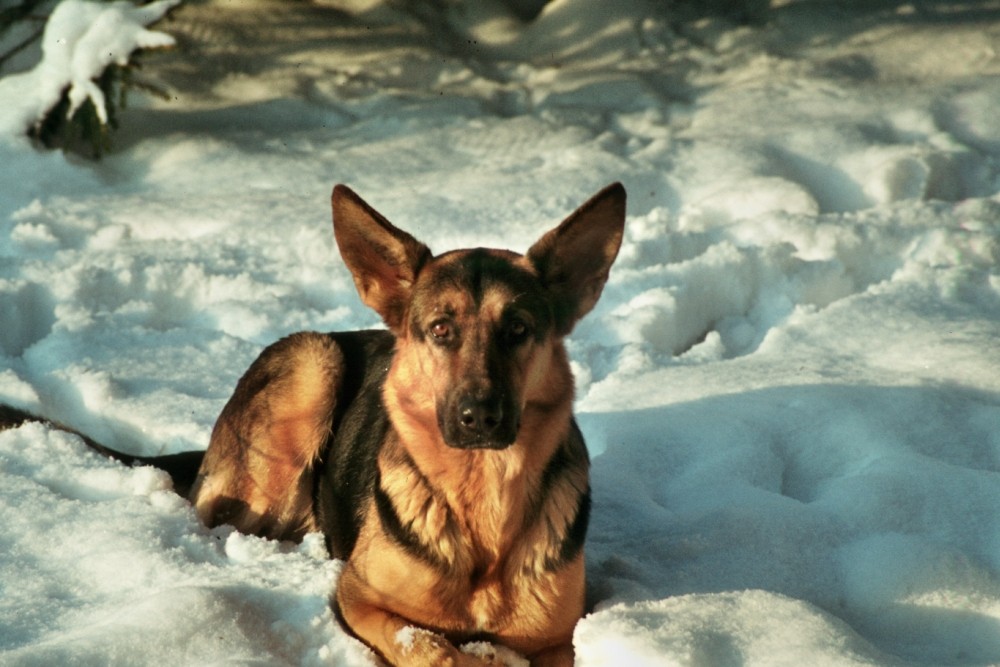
column 441, row 331
column 517, row 330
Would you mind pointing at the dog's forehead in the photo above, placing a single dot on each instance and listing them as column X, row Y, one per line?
column 476, row 279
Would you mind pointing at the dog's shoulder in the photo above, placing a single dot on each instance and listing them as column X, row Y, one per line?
column 365, row 358
column 348, row 468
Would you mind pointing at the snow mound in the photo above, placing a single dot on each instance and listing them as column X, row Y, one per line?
column 738, row 628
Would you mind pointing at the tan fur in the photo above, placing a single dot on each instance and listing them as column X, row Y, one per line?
column 257, row 470
column 477, row 505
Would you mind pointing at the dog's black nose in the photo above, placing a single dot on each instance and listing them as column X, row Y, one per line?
column 480, row 417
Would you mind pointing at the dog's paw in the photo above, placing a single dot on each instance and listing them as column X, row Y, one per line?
column 423, row 647
column 418, row 647
column 493, row 655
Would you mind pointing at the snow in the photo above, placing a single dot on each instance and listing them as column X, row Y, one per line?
column 791, row 386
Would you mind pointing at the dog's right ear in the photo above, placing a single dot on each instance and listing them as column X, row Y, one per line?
column 383, row 259
column 574, row 259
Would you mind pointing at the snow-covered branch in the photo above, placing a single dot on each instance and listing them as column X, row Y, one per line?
column 82, row 39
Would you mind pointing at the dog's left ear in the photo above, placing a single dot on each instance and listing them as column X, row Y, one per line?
column 574, row 259
column 383, row 259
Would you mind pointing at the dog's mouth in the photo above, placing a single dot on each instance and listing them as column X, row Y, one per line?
column 480, row 444
column 461, row 438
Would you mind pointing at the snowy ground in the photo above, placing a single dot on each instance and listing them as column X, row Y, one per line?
column 791, row 387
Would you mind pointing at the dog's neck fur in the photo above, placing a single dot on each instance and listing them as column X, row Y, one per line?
column 475, row 503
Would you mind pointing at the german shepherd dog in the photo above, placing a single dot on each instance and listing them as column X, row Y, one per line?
column 439, row 457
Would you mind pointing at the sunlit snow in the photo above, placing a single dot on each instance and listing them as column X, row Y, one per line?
column 791, row 386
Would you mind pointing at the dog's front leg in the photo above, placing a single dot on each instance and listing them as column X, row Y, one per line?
column 401, row 644
column 558, row 656
column 393, row 637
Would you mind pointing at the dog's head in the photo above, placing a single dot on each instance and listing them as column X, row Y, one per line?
column 479, row 332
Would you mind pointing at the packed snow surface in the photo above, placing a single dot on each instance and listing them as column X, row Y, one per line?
column 790, row 388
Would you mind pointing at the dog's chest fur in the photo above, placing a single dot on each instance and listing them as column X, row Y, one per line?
column 475, row 531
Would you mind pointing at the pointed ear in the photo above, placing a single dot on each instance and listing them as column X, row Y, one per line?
column 574, row 259
column 383, row 260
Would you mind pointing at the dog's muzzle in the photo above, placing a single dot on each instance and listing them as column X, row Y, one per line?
column 479, row 423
